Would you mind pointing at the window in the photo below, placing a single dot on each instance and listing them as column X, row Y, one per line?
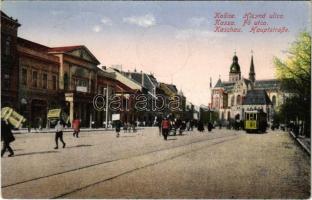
column 7, row 51
column 54, row 82
column 35, row 79
column 24, row 77
column 238, row 100
column 232, row 101
column 44, row 81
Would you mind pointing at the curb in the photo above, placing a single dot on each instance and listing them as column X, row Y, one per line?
column 305, row 148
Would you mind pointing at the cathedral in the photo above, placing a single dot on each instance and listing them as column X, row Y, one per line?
column 233, row 97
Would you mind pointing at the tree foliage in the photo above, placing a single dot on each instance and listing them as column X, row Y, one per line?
column 295, row 71
column 295, row 75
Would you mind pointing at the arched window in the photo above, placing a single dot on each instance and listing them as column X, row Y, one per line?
column 238, row 100
column 232, row 100
column 274, row 100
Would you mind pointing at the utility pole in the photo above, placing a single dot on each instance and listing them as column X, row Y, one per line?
column 106, row 108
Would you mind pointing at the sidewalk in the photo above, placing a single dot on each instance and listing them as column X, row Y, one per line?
column 51, row 130
column 304, row 142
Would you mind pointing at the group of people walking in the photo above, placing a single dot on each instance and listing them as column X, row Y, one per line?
column 127, row 127
column 166, row 125
column 7, row 136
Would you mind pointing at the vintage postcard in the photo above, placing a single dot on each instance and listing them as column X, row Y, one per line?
column 156, row 99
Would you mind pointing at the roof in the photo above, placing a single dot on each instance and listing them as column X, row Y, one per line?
column 219, row 83
column 149, row 81
column 172, row 87
column 228, row 86
column 65, row 48
column 169, row 89
column 9, row 19
column 247, row 81
column 257, row 97
column 68, row 49
column 33, row 45
column 267, row 84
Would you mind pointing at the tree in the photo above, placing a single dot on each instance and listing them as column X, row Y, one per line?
column 295, row 76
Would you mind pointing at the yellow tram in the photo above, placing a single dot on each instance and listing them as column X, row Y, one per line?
column 255, row 121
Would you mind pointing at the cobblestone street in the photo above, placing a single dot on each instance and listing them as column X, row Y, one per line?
column 220, row 164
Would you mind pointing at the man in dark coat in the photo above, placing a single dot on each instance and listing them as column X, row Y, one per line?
column 7, row 137
column 209, row 126
column 117, row 126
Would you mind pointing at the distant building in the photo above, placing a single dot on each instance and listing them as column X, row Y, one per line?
column 232, row 98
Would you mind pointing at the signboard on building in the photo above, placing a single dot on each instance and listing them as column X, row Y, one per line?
column 81, row 89
column 115, row 117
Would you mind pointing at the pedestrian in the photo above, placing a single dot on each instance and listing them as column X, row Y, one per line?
column 191, row 125
column 129, row 125
column 40, row 123
column 188, row 125
column 133, row 126
column 125, row 127
column 117, row 127
column 159, row 120
column 165, row 125
column 76, row 127
column 7, row 137
column 209, row 126
column 182, row 127
column 200, row 126
column 59, row 133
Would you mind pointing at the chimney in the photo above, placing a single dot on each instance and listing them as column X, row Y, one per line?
column 104, row 67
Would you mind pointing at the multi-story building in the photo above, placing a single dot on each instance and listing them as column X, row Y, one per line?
column 9, row 61
column 38, row 82
column 228, row 97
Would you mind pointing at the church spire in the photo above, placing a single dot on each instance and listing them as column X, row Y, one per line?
column 252, row 74
column 235, row 73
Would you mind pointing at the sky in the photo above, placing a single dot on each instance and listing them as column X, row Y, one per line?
column 176, row 41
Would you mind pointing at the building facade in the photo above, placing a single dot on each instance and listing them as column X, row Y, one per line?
column 228, row 98
column 38, row 82
column 9, row 61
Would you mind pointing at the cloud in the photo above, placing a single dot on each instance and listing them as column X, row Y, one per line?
column 106, row 21
column 196, row 33
column 198, row 21
column 97, row 28
column 143, row 21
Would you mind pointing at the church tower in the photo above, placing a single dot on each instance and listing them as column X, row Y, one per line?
column 252, row 74
column 235, row 73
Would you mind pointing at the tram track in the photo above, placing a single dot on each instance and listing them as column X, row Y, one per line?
column 231, row 137
column 139, row 168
